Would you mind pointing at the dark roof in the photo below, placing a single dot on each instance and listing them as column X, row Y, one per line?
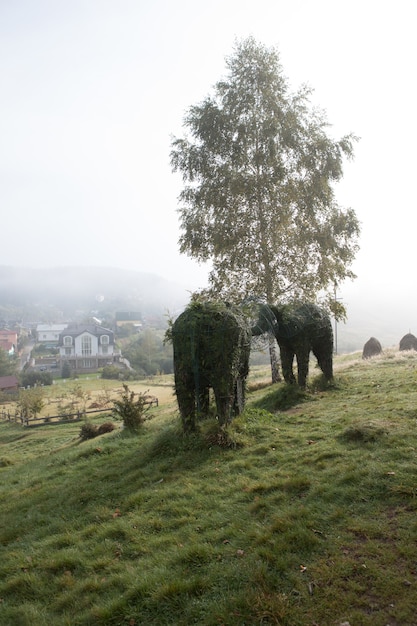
column 79, row 329
column 126, row 316
column 8, row 382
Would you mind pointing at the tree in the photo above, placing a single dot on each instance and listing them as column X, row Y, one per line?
column 8, row 363
column 258, row 198
column 79, row 396
column 32, row 377
column 148, row 354
column 31, row 402
column 66, row 370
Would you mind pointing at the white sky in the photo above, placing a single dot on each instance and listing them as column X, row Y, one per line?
column 92, row 90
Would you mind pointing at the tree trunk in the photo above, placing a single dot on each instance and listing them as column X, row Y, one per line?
column 273, row 355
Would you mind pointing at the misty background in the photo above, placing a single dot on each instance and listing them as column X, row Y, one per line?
column 93, row 91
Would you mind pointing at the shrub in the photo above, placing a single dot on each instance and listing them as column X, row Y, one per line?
column 33, row 377
column 31, row 402
column 106, row 427
column 66, row 370
column 111, row 372
column 116, row 373
column 88, row 431
column 132, row 411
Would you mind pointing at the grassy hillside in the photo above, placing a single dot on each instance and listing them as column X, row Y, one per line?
column 304, row 515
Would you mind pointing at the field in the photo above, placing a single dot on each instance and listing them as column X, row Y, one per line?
column 304, row 513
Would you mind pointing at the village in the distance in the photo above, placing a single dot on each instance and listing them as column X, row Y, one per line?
column 69, row 321
column 64, row 323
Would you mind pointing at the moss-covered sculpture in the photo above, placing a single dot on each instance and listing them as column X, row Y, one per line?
column 299, row 330
column 211, row 344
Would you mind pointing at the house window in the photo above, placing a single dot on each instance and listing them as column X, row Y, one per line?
column 67, row 341
column 104, row 340
column 86, row 345
column 104, row 349
column 87, row 363
column 67, row 351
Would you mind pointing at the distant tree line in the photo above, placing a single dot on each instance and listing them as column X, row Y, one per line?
column 8, row 363
column 148, row 355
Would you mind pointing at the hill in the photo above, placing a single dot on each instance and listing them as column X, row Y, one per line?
column 303, row 513
column 55, row 292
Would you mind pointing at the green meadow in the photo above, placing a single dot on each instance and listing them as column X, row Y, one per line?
column 303, row 513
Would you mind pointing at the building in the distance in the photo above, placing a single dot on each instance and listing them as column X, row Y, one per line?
column 49, row 333
column 87, row 347
column 128, row 317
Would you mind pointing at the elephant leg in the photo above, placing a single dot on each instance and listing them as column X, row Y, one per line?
column 303, row 356
column 203, row 401
column 239, row 397
column 224, row 402
column 201, row 380
column 185, row 390
column 324, row 356
column 287, row 359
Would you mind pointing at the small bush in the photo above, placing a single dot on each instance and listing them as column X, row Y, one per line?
column 106, row 427
column 113, row 372
column 66, row 370
column 33, row 377
column 88, row 431
column 132, row 411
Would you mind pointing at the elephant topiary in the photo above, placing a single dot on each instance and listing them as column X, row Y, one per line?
column 299, row 330
column 211, row 344
column 371, row 348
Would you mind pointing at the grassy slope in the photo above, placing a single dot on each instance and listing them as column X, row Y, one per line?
column 309, row 519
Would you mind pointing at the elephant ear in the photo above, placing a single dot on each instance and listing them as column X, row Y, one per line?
column 274, row 314
column 269, row 315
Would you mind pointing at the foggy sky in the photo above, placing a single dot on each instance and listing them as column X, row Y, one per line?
column 93, row 90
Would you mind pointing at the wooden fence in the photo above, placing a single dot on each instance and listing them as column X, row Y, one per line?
column 65, row 418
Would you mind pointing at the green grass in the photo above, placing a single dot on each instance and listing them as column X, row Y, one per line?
column 304, row 513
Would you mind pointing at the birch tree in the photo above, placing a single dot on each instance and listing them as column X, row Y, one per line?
column 259, row 170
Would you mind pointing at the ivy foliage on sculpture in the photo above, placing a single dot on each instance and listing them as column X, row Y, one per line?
column 211, row 343
column 298, row 330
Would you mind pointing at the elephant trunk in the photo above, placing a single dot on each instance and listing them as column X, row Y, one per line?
column 267, row 321
column 256, row 331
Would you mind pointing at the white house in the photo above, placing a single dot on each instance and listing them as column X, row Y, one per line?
column 49, row 333
column 87, row 347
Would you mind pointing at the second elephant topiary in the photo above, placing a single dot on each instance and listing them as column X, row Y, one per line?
column 299, row 330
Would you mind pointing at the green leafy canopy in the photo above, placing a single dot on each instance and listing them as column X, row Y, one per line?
column 258, row 198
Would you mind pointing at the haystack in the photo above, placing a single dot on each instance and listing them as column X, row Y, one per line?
column 408, row 342
column 371, row 348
